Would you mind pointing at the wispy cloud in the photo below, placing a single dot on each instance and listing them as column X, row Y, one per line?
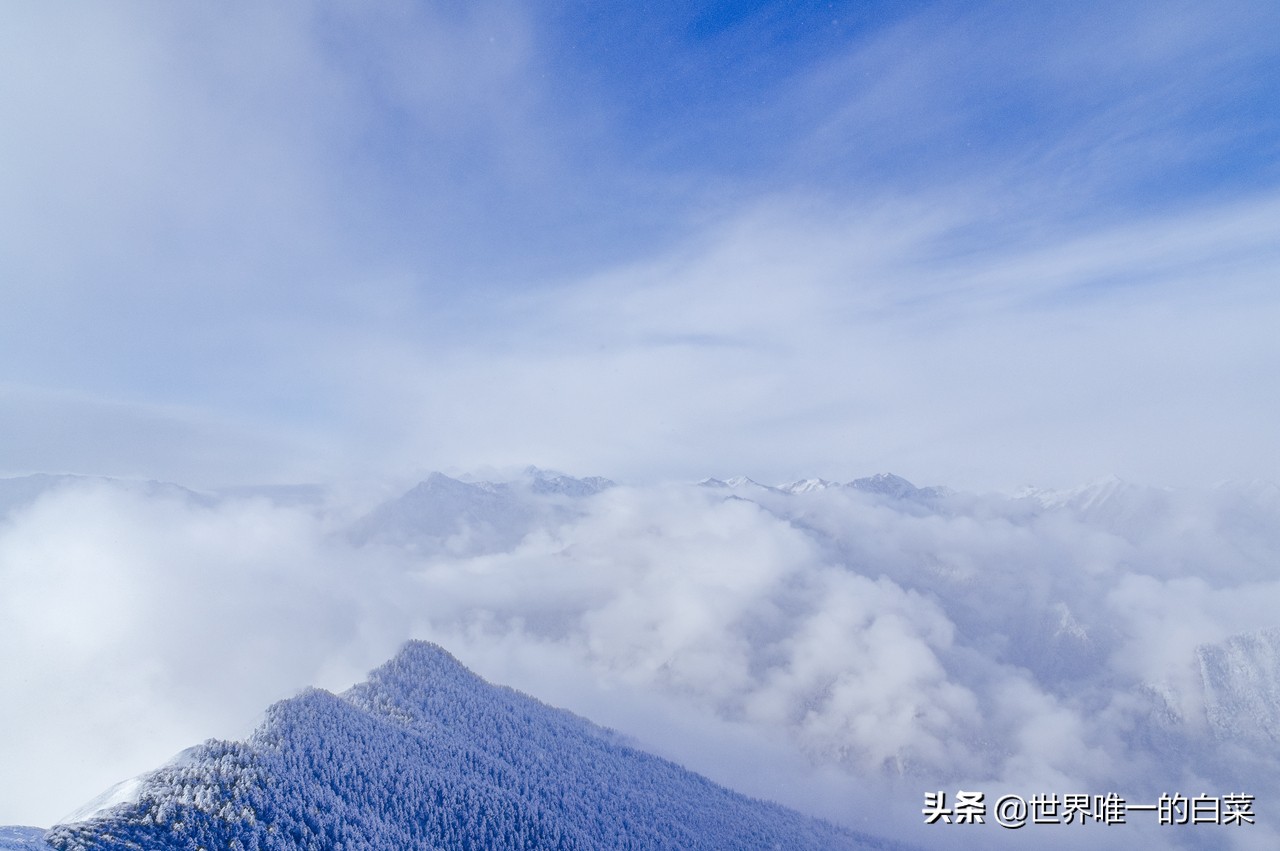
column 385, row 232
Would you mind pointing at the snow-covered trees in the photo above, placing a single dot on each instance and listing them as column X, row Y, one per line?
column 425, row 755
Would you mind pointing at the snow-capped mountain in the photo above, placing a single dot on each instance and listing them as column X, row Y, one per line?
column 885, row 485
column 549, row 482
column 1242, row 685
column 746, row 484
column 1110, row 502
column 808, row 485
column 444, row 514
column 22, row 839
column 427, row 755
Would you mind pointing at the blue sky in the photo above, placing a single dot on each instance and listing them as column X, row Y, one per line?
column 987, row 245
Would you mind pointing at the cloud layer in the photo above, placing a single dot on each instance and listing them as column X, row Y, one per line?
column 837, row 650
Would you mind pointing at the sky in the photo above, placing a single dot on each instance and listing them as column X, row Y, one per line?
column 986, row 246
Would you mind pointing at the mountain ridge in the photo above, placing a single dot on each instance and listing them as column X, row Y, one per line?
column 425, row 753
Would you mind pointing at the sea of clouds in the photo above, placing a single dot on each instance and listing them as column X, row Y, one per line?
column 838, row 650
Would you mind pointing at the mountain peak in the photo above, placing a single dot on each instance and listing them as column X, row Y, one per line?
column 807, row 485
column 421, row 658
column 746, row 482
column 886, row 484
column 439, row 480
column 427, row 754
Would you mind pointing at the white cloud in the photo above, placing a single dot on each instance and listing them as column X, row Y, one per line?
column 842, row 339
column 822, row 642
column 134, row 626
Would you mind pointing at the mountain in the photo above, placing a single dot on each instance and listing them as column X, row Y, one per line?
column 884, row 484
column 1241, row 678
column 744, row 483
column 425, row 754
column 896, row 487
column 466, row 518
column 808, row 485
column 441, row 510
column 881, row 484
column 22, row 839
column 1111, row 503
column 547, row 483
column 21, row 491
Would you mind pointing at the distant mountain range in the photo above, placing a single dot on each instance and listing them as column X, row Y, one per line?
column 443, row 513
column 21, row 491
column 881, row 484
column 426, row 755
column 441, row 506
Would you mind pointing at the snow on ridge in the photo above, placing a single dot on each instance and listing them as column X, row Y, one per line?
column 808, row 485
column 887, row 484
column 740, row 482
column 881, row 484
column 22, row 838
column 445, row 760
column 1241, row 676
column 1081, row 497
column 122, row 794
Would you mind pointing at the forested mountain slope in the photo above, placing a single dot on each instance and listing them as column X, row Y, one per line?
column 427, row 755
